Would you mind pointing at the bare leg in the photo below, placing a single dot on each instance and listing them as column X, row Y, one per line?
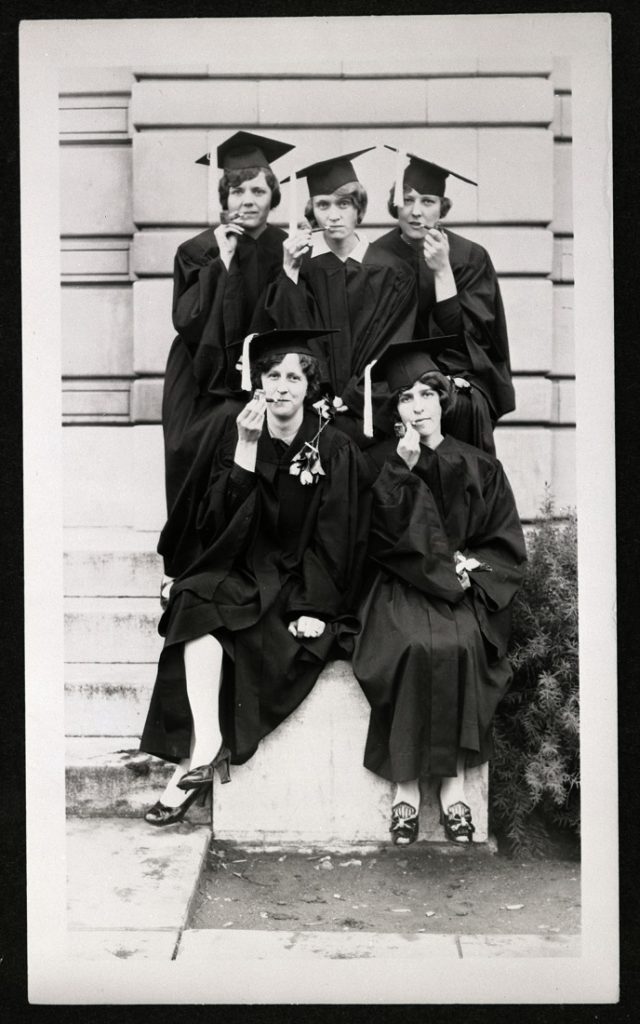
column 407, row 793
column 452, row 787
column 203, row 670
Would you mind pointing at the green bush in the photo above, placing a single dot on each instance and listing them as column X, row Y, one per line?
column 534, row 774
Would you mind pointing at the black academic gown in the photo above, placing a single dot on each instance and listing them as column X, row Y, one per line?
column 431, row 656
column 476, row 313
column 371, row 304
column 213, row 309
column 272, row 549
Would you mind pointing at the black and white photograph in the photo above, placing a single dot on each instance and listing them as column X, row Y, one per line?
column 318, row 386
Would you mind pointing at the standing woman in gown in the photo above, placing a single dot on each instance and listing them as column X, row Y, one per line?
column 333, row 278
column 458, row 293
column 219, row 278
column 251, row 623
column 448, row 551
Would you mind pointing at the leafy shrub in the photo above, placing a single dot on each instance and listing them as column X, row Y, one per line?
column 534, row 774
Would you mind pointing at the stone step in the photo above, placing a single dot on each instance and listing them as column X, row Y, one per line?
column 109, row 777
column 112, row 629
column 110, row 562
column 106, row 699
column 112, row 573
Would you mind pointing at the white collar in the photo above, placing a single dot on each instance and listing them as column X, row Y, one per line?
column 320, row 247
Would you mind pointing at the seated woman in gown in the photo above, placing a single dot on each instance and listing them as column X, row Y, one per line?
column 458, row 293
column 250, row 624
column 447, row 551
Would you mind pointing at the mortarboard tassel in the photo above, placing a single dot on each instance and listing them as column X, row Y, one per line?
column 293, row 220
column 212, row 181
column 398, row 191
column 368, row 411
column 245, row 383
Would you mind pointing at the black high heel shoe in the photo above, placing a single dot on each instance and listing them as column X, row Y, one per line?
column 458, row 827
column 203, row 775
column 161, row 815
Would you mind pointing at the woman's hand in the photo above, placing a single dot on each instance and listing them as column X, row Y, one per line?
column 226, row 236
column 250, row 420
column 307, row 627
column 294, row 248
column 435, row 248
column 409, row 446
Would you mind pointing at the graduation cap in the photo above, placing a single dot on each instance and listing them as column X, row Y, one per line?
column 402, row 364
column 325, row 176
column 276, row 343
column 426, row 177
column 244, row 149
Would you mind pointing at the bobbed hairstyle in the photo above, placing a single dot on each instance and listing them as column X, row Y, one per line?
column 235, row 176
column 445, row 204
column 308, row 364
column 435, row 380
column 353, row 190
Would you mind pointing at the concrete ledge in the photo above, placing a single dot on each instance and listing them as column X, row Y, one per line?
column 208, row 945
column 306, row 786
column 112, row 573
column 107, row 699
column 203, row 945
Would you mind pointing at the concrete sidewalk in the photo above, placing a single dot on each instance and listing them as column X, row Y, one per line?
column 129, row 895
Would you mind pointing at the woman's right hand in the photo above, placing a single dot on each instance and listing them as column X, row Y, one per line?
column 408, row 447
column 226, row 235
column 295, row 247
column 250, row 420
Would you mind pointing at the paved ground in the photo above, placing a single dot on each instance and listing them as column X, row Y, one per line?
column 140, row 893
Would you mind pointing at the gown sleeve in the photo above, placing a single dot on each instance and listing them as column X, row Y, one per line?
column 499, row 544
column 196, row 279
column 407, row 536
column 477, row 313
column 331, row 546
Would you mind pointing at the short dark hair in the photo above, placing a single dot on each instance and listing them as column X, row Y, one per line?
column 353, row 190
column 231, row 178
column 308, row 364
column 445, row 204
column 435, row 380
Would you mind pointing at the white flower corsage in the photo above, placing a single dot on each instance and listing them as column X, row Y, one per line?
column 306, row 463
column 464, row 564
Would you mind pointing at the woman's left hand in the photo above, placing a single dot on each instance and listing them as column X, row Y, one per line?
column 436, row 250
column 307, row 627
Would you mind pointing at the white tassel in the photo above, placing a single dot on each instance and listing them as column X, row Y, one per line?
column 212, row 181
column 293, row 205
column 245, row 383
column 368, row 410
column 398, row 191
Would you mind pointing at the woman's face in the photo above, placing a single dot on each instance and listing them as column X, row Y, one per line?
column 250, row 201
column 420, row 407
column 285, row 386
column 418, row 214
column 335, row 214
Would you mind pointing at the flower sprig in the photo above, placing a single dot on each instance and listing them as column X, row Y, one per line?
column 306, row 463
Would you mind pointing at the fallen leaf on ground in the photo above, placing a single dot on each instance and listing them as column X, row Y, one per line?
column 350, row 863
column 461, row 913
column 430, row 913
column 280, row 859
column 326, row 865
column 227, row 924
column 515, row 906
column 263, row 913
column 400, row 910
